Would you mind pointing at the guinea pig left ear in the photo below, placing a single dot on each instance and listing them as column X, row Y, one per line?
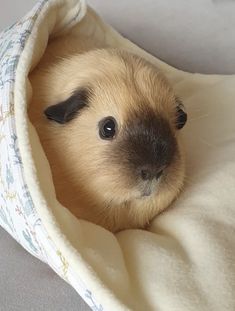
column 67, row 110
column 181, row 115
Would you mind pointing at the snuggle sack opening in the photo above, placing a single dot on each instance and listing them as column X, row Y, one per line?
column 185, row 261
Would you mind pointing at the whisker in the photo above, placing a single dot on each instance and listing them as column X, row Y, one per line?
column 200, row 117
column 205, row 142
column 188, row 181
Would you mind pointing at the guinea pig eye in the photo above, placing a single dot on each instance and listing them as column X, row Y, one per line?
column 107, row 128
column 181, row 116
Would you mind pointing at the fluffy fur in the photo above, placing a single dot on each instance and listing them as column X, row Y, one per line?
column 94, row 178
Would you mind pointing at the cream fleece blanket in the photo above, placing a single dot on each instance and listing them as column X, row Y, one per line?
column 186, row 261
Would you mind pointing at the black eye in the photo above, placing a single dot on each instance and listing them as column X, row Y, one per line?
column 107, row 128
column 181, row 117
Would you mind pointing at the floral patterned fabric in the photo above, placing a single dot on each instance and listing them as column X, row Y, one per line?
column 18, row 215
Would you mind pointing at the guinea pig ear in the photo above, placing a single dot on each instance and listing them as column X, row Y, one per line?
column 68, row 109
column 181, row 115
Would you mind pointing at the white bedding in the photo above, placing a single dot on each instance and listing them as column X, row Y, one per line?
column 186, row 261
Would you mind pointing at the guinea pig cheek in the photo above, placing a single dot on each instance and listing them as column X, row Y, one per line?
column 116, row 179
column 173, row 179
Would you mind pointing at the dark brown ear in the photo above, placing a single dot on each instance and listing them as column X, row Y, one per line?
column 181, row 115
column 67, row 110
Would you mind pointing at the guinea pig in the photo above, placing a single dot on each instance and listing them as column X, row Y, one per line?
column 109, row 123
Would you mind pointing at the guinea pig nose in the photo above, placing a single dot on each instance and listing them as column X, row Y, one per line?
column 159, row 174
column 146, row 174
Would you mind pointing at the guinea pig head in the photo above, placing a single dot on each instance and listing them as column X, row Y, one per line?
column 120, row 120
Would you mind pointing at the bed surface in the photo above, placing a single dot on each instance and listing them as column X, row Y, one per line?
column 192, row 35
column 28, row 284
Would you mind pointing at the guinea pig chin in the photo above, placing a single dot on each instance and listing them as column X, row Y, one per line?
column 147, row 189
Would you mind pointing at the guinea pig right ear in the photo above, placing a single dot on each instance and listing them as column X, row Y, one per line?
column 68, row 109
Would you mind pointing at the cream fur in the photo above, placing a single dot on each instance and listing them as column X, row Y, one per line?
column 86, row 184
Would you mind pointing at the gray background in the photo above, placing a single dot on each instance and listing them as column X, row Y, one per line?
column 194, row 35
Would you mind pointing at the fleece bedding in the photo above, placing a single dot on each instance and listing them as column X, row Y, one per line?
column 186, row 260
